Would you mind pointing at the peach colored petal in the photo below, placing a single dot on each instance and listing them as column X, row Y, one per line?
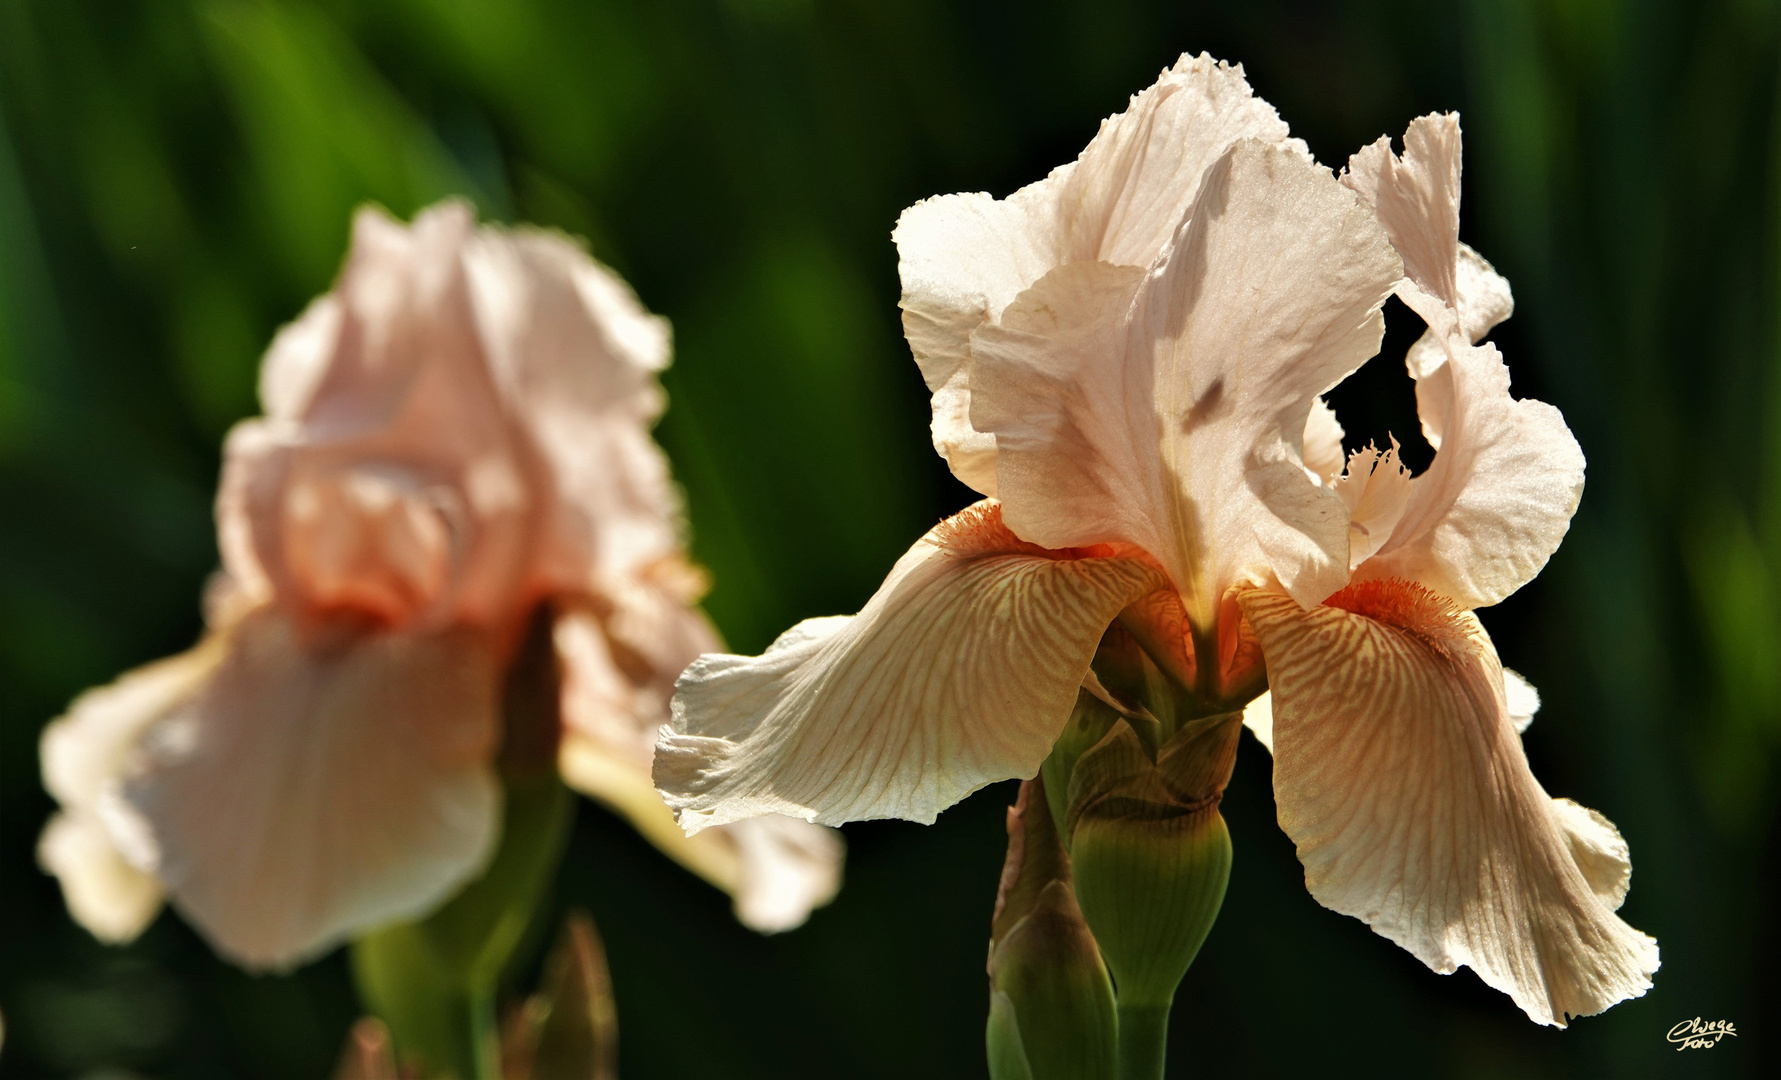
column 115, row 901
column 404, row 390
column 777, row 869
column 1375, row 488
column 1498, row 498
column 576, row 356
column 963, row 258
column 1322, row 443
column 960, row 671
column 1521, row 699
column 298, row 359
column 314, row 789
column 1417, row 200
column 1167, row 410
column 84, row 752
column 1451, row 286
column 1401, row 779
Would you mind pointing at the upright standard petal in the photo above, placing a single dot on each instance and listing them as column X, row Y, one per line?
column 1400, row 777
column 960, row 671
column 317, row 788
column 576, row 356
column 1167, row 410
column 1416, row 197
column 1498, row 498
column 964, row 258
column 386, row 380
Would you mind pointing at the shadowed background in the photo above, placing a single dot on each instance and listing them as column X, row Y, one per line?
column 176, row 179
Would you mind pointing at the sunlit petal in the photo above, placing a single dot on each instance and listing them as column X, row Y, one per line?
column 1258, row 717
column 84, row 754
column 1375, row 488
column 777, row 869
column 317, row 788
column 1498, row 498
column 959, row 672
column 575, row 356
column 1323, row 443
column 104, row 893
column 1402, row 781
column 1167, row 410
column 1520, row 698
column 964, row 258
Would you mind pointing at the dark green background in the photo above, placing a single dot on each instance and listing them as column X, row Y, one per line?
column 175, row 181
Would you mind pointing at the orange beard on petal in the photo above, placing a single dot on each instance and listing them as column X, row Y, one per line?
column 1409, row 607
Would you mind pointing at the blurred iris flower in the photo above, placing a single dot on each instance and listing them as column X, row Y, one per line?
column 1127, row 358
column 454, row 436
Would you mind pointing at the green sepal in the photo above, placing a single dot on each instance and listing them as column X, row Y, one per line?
column 1089, row 723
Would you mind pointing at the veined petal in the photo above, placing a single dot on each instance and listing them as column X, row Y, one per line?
column 964, row 258
column 1498, row 498
column 776, row 868
column 960, row 671
column 317, row 788
column 1522, row 701
column 1168, row 412
column 1400, row 778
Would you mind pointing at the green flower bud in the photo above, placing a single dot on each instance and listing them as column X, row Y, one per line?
column 1051, row 1004
column 1152, row 858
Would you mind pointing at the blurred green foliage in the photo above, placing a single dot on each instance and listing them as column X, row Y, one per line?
column 175, row 181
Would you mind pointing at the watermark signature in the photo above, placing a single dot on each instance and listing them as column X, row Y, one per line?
column 1698, row 1034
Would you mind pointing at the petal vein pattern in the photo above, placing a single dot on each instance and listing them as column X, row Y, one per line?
column 1400, row 777
column 959, row 672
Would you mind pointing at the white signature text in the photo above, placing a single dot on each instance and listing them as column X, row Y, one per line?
column 1697, row 1034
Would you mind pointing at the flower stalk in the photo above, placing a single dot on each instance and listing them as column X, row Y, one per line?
column 434, row 981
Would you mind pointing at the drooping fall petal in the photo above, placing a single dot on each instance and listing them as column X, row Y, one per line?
column 1120, row 411
column 1401, row 779
column 777, row 869
column 308, row 791
column 83, row 752
column 963, row 258
column 960, row 671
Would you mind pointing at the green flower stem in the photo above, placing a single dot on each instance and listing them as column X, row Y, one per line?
column 1143, row 1040
column 434, row 981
